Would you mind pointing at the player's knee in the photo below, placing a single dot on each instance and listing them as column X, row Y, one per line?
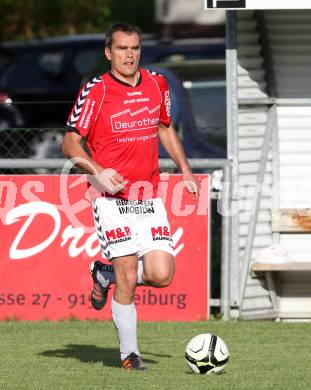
column 167, row 281
column 130, row 279
column 127, row 280
column 162, row 279
column 164, row 282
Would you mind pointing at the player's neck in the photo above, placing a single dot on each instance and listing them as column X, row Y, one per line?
column 131, row 80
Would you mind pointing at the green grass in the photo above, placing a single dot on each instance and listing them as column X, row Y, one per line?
column 84, row 355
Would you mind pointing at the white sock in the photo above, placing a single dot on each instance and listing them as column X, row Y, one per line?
column 125, row 320
column 140, row 270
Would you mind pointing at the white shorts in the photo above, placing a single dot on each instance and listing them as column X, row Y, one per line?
column 127, row 227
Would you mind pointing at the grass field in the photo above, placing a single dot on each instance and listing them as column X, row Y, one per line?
column 84, row 355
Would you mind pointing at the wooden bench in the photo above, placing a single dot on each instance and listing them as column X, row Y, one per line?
column 289, row 266
column 269, row 271
column 284, row 221
column 291, row 221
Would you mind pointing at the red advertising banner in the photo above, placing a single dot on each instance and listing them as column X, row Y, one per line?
column 47, row 241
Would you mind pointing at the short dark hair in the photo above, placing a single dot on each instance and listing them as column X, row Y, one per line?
column 124, row 27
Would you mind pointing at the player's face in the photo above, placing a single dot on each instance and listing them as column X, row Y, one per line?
column 124, row 54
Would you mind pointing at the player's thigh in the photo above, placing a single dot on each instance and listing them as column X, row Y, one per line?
column 115, row 231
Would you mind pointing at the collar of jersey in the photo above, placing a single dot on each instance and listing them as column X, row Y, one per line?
column 123, row 82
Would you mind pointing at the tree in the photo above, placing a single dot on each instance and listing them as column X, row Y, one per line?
column 30, row 19
column 138, row 12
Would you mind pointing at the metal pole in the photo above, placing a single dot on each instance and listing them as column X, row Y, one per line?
column 225, row 299
column 58, row 163
column 233, row 149
column 25, row 163
column 271, row 123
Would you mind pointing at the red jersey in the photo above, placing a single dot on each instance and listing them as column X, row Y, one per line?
column 120, row 125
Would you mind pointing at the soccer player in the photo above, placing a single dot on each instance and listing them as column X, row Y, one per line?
column 121, row 115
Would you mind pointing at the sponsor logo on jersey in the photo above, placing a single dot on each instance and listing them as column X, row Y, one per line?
column 136, row 93
column 114, row 236
column 135, row 206
column 139, row 100
column 161, row 233
column 167, row 103
column 87, row 114
column 141, row 119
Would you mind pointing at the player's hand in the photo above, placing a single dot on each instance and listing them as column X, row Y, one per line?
column 111, row 181
column 191, row 184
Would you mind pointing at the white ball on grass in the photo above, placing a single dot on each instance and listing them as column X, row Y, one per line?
column 207, row 354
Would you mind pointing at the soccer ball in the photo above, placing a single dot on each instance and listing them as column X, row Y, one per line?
column 206, row 354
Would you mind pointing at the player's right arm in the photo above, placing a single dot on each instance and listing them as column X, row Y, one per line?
column 108, row 178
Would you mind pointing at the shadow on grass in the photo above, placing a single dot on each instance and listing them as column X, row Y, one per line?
column 91, row 354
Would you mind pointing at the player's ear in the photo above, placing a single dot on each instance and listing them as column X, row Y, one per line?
column 107, row 53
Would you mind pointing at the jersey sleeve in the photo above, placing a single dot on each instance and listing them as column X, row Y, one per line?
column 84, row 113
column 165, row 111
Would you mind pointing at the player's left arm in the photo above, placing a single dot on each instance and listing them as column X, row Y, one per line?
column 172, row 144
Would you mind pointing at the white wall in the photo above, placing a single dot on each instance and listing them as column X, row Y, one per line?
column 187, row 11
